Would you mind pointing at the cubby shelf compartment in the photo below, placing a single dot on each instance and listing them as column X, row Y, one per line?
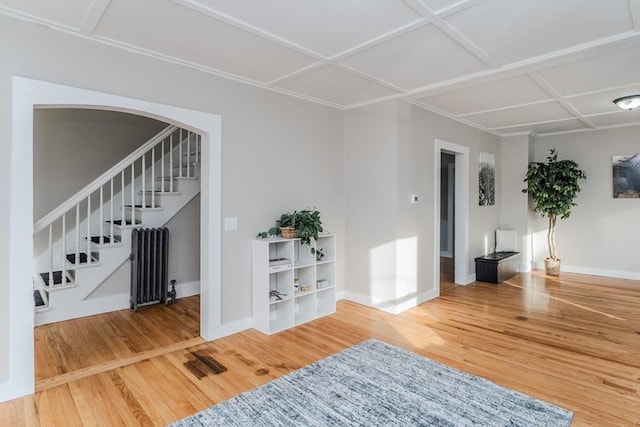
column 295, row 276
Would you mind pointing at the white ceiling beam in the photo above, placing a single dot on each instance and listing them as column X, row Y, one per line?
column 575, row 53
column 544, row 84
column 381, row 39
column 93, row 15
column 453, row 33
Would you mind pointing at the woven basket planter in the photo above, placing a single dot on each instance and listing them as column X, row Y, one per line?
column 288, row 232
column 552, row 267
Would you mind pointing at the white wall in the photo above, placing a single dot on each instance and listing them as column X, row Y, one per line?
column 371, row 176
column 278, row 153
column 389, row 155
column 72, row 147
column 601, row 236
column 514, row 213
column 483, row 220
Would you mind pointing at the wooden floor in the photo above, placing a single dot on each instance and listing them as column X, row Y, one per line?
column 447, row 274
column 572, row 341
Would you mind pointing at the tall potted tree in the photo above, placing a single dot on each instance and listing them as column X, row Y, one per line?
column 553, row 187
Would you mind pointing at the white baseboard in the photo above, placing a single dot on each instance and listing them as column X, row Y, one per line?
column 389, row 306
column 233, row 327
column 106, row 304
column 618, row 274
column 187, row 289
column 470, row 279
column 524, row 267
column 339, row 295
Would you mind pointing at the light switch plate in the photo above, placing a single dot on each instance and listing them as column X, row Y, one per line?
column 230, row 223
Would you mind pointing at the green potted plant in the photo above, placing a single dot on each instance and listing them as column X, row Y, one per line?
column 304, row 224
column 553, row 188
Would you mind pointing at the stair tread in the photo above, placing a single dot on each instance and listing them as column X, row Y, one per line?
column 37, row 296
column 105, row 239
column 142, row 207
column 57, row 278
column 126, row 222
column 83, row 258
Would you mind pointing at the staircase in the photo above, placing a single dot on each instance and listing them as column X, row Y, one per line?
column 80, row 244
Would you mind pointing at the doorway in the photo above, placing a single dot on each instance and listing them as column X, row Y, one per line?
column 447, row 221
column 28, row 94
column 460, row 208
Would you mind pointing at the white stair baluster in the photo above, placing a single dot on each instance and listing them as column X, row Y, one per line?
column 197, row 148
column 133, row 194
column 188, row 152
column 143, row 173
column 180, row 153
column 121, row 199
column 77, row 257
column 64, row 248
column 101, row 215
column 111, row 222
column 50, row 255
column 153, row 177
column 171, row 163
column 88, row 228
column 162, row 167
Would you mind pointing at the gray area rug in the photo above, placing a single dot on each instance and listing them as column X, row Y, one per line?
column 377, row 384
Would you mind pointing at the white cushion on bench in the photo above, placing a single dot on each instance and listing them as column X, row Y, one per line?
column 506, row 240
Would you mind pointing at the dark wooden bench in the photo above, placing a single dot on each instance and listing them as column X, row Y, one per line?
column 496, row 267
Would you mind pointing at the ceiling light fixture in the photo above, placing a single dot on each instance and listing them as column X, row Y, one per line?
column 630, row 102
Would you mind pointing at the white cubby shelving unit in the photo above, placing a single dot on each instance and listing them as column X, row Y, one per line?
column 306, row 287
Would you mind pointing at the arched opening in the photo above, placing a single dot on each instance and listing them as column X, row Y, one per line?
column 29, row 94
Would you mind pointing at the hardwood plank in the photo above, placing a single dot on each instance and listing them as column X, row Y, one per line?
column 573, row 341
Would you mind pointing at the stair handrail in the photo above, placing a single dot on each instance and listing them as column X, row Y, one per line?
column 101, row 180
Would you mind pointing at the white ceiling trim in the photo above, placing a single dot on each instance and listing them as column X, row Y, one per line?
column 452, row 117
column 454, row 34
column 297, row 73
column 17, row 14
column 544, row 84
column 381, row 39
column 564, row 119
column 608, row 44
column 95, row 12
column 593, row 92
column 505, row 108
column 371, row 78
column 458, row 7
column 563, row 132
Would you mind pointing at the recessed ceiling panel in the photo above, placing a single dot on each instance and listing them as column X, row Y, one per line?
column 419, row 58
column 337, row 86
column 601, row 102
column 534, row 113
column 179, row 32
column 327, row 27
column 619, row 68
column 618, row 118
column 502, row 93
column 511, row 31
column 68, row 14
column 542, row 128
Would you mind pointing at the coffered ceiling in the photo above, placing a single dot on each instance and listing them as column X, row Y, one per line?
column 504, row 66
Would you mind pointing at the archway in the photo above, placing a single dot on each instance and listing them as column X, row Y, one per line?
column 29, row 94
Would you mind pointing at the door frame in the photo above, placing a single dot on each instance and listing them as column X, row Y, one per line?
column 461, row 215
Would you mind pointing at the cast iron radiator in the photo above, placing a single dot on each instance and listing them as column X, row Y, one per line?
column 149, row 267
